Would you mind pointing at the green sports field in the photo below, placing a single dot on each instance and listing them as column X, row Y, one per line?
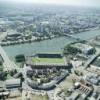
column 47, row 60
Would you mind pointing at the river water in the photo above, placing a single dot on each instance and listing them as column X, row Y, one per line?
column 53, row 45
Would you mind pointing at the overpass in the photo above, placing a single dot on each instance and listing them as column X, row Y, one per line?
column 7, row 64
column 91, row 60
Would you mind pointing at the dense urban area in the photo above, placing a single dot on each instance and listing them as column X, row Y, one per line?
column 49, row 52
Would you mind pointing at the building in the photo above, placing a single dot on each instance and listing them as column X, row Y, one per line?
column 48, row 85
column 1, row 86
column 96, row 62
column 84, row 48
column 74, row 96
column 93, row 78
column 83, row 90
column 13, row 83
column 13, row 36
column 48, row 55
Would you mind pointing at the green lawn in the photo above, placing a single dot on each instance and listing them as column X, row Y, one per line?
column 39, row 97
column 47, row 60
column 18, row 64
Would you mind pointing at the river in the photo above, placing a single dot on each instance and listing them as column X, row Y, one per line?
column 53, row 45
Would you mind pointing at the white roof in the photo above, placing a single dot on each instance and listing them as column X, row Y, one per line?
column 12, row 81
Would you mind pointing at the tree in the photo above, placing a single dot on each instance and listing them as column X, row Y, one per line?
column 3, row 75
column 70, row 50
column 21, row 77
column 20, row 58
column 13, row 72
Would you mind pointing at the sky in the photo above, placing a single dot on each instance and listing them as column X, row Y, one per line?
column 95, row 3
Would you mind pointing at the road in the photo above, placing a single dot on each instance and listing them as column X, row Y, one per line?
column 8, row 64
column 92, row 59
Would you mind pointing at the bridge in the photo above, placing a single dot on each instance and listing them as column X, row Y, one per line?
column 73, row 37
column 7, row 64
column 91, row 60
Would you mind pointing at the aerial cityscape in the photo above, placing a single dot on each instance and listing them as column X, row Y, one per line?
column 49, row 50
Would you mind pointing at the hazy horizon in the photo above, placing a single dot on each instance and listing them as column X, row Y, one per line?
column 83, row 3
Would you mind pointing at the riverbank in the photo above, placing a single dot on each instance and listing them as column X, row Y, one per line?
column 51, row 45
column 8, row 42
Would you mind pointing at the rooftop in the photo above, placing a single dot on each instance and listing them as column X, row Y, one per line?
column 83, row 46
column 13, row 82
